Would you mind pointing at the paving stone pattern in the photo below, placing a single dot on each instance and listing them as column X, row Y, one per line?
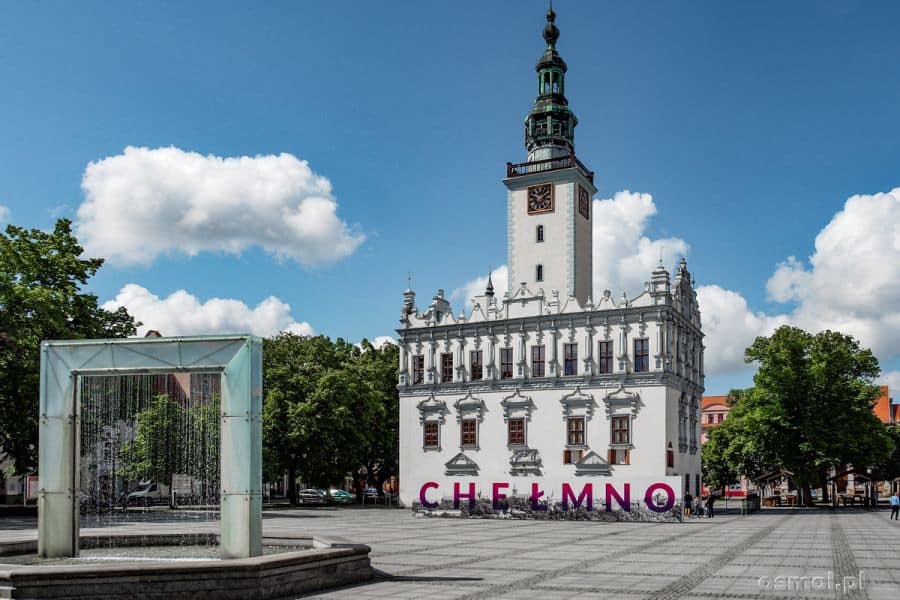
column 724, row 557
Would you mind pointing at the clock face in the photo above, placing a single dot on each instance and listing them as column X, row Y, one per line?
column 584, row 203
column 540, row 198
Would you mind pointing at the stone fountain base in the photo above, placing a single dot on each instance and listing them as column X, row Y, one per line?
column 321, row 563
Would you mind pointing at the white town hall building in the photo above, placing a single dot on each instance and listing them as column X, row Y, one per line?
column 542, row 381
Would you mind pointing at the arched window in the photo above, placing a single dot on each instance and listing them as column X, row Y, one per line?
column 540, row 233
column 670, row 456
column 539, row 273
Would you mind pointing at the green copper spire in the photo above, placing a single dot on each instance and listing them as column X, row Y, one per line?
column 550, row 126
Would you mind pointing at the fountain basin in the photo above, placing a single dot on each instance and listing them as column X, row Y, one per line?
column 319, row 563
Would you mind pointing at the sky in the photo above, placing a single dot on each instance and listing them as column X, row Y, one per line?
column 286, row 165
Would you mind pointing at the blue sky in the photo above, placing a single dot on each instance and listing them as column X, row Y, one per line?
column 750, row 124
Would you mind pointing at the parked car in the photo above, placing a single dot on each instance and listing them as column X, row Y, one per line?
column 340, row 497
column 148, row 492
column 311, row 496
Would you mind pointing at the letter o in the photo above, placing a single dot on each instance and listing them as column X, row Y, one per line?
column 648, row 497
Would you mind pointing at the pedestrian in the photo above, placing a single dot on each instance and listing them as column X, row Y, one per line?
column 710, row 500
column 698, row 507
column 895, row 506
column 688, row 504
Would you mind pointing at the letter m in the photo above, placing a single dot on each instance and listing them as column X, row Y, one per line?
column 587, row 494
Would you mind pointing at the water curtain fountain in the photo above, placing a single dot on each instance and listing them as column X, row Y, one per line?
column 237, row 358
column 119, row 413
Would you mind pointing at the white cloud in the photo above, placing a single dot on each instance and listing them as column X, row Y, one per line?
column 181, row 313
column 147, row 202
column 464, row 293
column 623, row 256
column 729, row 327
column 892, row 380
column 4, row 214
column 380, row 341
column 852, row 282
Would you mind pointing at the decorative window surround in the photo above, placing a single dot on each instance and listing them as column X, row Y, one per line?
column 525, row 461
column 622, row 401
column 460, row 465
column 432, row 408
column 592, row 464
column 517, row 405
column 578, row 404
column 469, row 407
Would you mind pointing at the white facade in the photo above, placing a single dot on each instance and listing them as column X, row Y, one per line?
column 569, row 389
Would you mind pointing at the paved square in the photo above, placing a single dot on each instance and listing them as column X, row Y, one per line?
column 725, row 557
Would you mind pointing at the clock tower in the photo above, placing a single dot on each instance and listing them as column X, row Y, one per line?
column 549, row 199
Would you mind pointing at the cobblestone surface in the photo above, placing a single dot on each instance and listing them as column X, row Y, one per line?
column 853, row 554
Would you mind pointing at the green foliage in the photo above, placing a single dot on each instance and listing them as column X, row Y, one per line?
column 809, row 410
column 41, row 278
column 170, row 439
column 157, row 450
column 329, row 408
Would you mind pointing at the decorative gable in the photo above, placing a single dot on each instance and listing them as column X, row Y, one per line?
column 432, row 409
column 517, row 406
column 578, row 404
column 622, row 401
column 592, row 464
column 460, row 465
column 469, row 407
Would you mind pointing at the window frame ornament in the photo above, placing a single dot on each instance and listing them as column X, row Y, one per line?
column 470, row 407
column 432, row 409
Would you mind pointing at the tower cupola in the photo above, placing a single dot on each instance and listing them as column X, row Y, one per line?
column 550, row 126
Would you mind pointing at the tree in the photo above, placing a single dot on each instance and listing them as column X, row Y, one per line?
column 378, row 368
column 157, row 450
column 41, row 279
column 329, row 408
column 811, row 405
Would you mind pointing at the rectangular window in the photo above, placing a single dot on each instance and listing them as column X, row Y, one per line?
column 506, row 360
column 720, row 417
column 710, row 419
column 620, row 433
column 570, row 356
column 476, row 365
column 537, row 361
column 575, row 431
column 570, row 457
column 641, row 355
column 431, row 437
column 469, row 428
column 619, row 456
column 446, row 367
column 418, row 369
column 516, row 429
column 605, row 357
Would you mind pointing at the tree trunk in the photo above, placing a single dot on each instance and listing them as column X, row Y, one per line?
column 171, row 491
column 823, row 483
column 806, row 489
column 292, row 486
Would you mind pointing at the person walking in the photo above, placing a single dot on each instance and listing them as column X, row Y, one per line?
column 710, row 500
column 895, row 506
column 688, row 504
